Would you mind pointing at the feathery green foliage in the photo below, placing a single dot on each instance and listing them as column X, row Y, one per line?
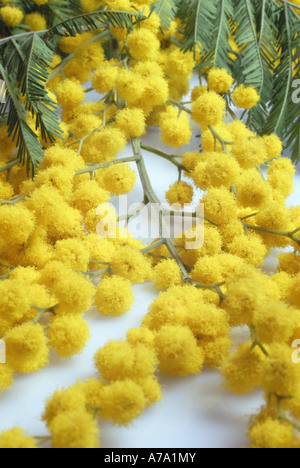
column 267, row 35
column 25, row 60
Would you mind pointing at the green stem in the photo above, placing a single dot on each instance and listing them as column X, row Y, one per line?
column 9, row 165
column 96, row 167
column 170, row 158
column 289, row 235
column 13, row 201
column 153, row 246
column 218, row 138
column 180, row 106
column 42, row 311
column 255, row 341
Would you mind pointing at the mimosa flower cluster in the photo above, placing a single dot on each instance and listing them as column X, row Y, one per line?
column 54, row 266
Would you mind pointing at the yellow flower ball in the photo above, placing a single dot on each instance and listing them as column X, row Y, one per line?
column 118, row 360
column 17, row 224
column 250, row 152
column 119, row 179
column 122, row 401
column 70, row 94
column 143, row 45
column 271, row 434
column 114, row 296
column 175, row 129
column 68, row 335
column 16, row 438
column 220, row 170
column 167, row 274
column 36, row 21
column 180, row 193
column 208, row 109
column 105, row 77
column 88, row 195
column 63, row 401
column 242, row 370
column 11, row 16
column 219, row 80
column 131, row 265
column 177, row 351
column 273, row 145
column 76, row 429
column 6, row 376
column 140, row 335
column 245, row 97
column 132, row 122
column 219, row 205
column 26, row 348
column 280, row 374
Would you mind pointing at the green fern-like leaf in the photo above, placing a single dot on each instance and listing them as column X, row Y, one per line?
column 30, row 151
column 166, row 10
column 198, row 17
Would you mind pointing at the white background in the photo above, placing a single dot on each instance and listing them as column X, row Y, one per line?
column 194, row 412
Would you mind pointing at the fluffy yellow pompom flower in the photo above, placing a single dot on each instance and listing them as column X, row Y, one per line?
column 118, row 360
column 58, row 156
column 190, row 160
column 114, row 296
column 90, row 56
column 274, row 322
column 273, row 145
column 132, row 265
column 294, row 290
column 70, row 94
column 26, row 348
column 36, row 21
column 6, row 377
column 15, row 299
column 6, row 190
column 84, row 124
column 219, row 80
column 16, row 438
column 140, row 335
column 17, row 224
column 220, row 205
column 88, row 194
column 63, row 401
column 251, row 248
column 11, row 16
column 73, row 291
column 243, row 369
column 110, row 140
column 175, row 129
column 280, row 374
column 102, row 250
column 250, row 153
column 122, row 401
column 280, row 176
column 151, row 390
column 75, row 429
column 143, row 45
column 68, row 335
column 105, row 77
column 180, row 193
column 208, row 109
column 244, row 297
column 73, row 253
column 130, row 85
column 245, row 97
column 167, row 274
column 177, row 351
column 252, row 190
column 119, row 179
column 271, row 434
column 275, row 216
column 198, row 91
column 219, row 170
column 132, row 122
